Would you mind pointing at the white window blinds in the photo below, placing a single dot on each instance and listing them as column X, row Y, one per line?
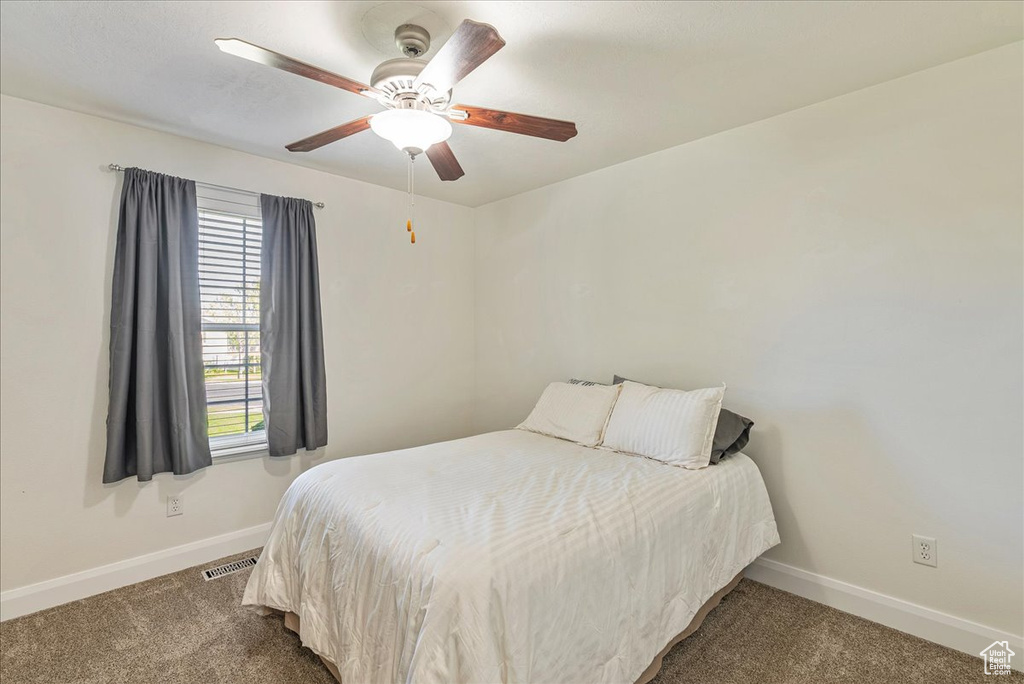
column 230, row 231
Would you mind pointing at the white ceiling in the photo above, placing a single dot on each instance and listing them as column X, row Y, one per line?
column 636, row 76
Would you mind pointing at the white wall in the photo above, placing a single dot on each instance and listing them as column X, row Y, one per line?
column 398, row 328
column 853, row 271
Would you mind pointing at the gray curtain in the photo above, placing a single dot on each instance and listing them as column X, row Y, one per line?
column 156, row 419
column 291, row 334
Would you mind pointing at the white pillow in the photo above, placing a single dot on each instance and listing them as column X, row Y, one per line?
column 577, row 413
column 669, row 425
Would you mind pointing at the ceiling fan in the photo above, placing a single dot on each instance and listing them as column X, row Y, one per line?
column 416, row 93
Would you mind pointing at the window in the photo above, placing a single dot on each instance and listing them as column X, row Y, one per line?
column 230, row 232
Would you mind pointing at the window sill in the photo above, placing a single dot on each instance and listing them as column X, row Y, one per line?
column 240, row 453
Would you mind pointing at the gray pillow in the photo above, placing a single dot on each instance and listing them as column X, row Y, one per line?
column 731, row 434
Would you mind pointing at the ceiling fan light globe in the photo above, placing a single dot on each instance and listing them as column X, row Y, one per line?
column 411, row 130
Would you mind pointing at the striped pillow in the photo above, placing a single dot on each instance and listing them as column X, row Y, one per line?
column 731, row 434
column 668, row 425
column 574, row 412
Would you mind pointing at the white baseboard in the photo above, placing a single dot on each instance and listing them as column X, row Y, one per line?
column 931, row 625
column 35, row 597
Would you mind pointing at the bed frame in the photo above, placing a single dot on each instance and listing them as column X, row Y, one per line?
column 291, row 621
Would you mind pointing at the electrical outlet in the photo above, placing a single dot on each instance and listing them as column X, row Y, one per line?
column 175, row 505
column 926, row 552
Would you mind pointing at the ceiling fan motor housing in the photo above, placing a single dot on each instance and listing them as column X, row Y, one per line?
column 396, row 81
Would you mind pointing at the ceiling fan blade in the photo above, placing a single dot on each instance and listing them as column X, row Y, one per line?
column 261, row 55
column 524, row 124
column 444, row 162
column 330, row 135
column 469, row 47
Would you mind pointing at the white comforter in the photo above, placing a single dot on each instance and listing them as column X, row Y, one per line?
column 506, row 557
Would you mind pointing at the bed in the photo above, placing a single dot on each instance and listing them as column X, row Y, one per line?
column 506, row 557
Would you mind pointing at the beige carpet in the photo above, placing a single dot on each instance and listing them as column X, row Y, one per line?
column 181, row 629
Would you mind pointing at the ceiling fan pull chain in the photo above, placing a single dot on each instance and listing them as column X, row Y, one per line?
column 412, row 199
